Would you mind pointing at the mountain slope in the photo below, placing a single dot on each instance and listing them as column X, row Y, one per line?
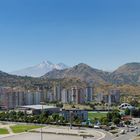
column 81, row 71
column 126, row 74
column 13, row 80
column 33, row 84
column 40, row 69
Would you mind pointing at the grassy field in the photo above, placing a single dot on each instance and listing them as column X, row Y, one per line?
column 23, row 128
column 92, row 115
column 3, row 131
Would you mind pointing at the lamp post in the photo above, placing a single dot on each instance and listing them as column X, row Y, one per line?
column 41, row 121
column 71, row 119
column 41, row 133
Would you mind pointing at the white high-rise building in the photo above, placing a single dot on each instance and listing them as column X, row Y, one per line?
column 57, row 93
column 99, row 97
column 89, row 94
column 66, row 96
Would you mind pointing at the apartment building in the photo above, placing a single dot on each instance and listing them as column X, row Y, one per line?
column 113, row 96
column 15, row 97
column 89, row 94
column 57, row 93
column 77, row 95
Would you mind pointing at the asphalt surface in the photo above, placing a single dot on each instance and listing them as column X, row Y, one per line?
column 37, row 136
column 100, row 135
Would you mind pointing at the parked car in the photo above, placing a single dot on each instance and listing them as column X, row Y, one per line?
column 96, row 126
column 122, row 131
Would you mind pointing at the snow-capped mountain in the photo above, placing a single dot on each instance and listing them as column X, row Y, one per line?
column 40, row 69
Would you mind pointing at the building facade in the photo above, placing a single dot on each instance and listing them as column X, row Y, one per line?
column 14, row 97
column 75, row 113
column 112, row 97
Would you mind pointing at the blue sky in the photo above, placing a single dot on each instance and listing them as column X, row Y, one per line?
column 102, row 33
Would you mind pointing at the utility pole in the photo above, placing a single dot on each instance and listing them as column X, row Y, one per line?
column 41, row 133
column 70, row 120
column 41, row 122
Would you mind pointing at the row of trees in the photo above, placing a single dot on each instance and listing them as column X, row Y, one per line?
column 21, row 117
column 43, row 118
column 47, row 118
column 113, row 116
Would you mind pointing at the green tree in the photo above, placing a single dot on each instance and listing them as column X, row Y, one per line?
column 59, row 105
column 127, row 122
column 104, row 121
column 55, row 117
column 127, row 111
column 109, row 116
column 114, row 116
column 61, row 119
column 116, row 121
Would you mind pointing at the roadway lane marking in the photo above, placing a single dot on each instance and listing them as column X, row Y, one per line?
column 102, row 135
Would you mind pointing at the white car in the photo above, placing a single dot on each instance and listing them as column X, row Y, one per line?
column 122, row 131
column 96, row 126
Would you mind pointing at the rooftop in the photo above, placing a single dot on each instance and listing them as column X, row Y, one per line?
column 39, row 107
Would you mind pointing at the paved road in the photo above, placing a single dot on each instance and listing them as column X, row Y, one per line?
column 108, row 136
column 49, row 132
column 128, row 136
column 37, row 136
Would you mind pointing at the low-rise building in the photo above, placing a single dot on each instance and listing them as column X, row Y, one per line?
column 38, row 109
column 75, row 113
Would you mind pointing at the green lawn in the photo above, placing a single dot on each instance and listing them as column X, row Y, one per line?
column 92, row 115
column 23, row 128
column 3, row 131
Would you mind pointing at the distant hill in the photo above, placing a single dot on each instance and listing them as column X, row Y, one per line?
column 13, row 80
column 126, row 74
column 40, row 69
column 81, row 71
column 32, row 84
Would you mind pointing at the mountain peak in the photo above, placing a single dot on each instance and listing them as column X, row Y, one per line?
column 82, row 64
column 47, row 62
column 81, row 71
column 129, row 67
column 40, row 69
column 128, row 73
column 44, row 64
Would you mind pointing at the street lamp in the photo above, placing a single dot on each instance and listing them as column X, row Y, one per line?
column 41, row 133
column 71, row 112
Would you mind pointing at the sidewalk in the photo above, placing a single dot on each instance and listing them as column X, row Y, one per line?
column 8, row 128
column 72, row 132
